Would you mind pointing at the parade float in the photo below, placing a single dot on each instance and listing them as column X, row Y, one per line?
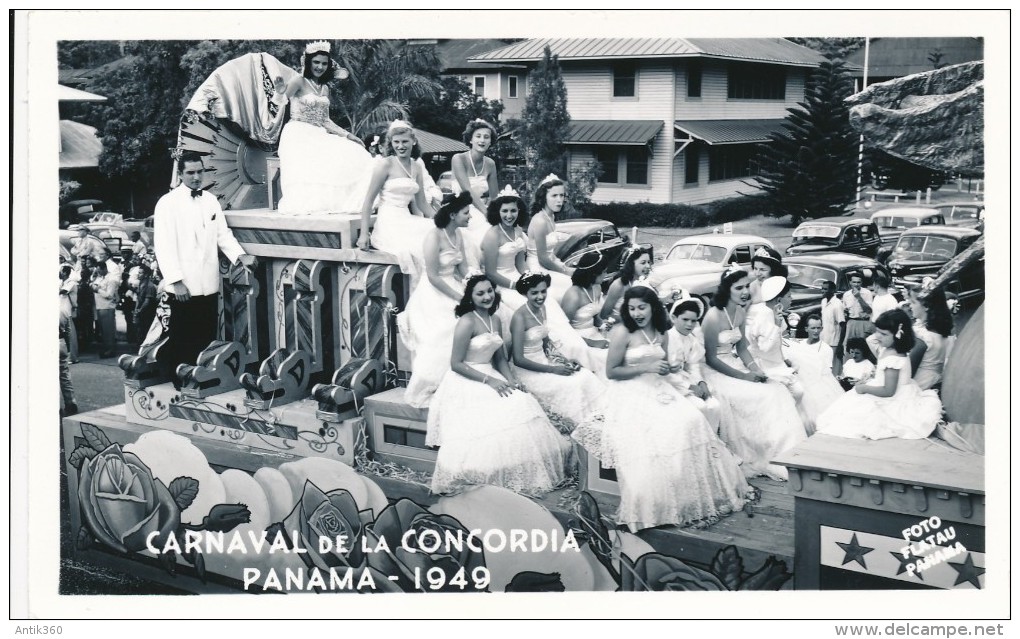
column 287, row 461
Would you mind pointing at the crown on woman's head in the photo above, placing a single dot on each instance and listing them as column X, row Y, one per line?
column 529, row 274
column 764, row 252
column 549, row 178
column 399, row 124
column 475, row 272
column 319, row 46
column 733, row 268
column 508, row 191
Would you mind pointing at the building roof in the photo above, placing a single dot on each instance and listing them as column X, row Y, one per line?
column 617, row 132
column 730, row 131
column 455, row 54
column 897, row 57
column 770, row 50
column 79, row 146
column 431, row 143
column 67, row 94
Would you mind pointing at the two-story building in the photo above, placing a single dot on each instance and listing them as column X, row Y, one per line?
column 671, row 119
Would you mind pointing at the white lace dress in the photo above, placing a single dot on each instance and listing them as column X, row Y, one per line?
column 671, row 466
column 487, row 439
column 319, row 172
column 910, row 413
column 569, row 400
column 765, row 421
column 399, row 232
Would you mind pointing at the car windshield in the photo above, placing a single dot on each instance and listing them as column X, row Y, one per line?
column 895, row 222
column 703, row 252
column 959, row 213
column 808, row 276
column 925, row 248
column 819, row 231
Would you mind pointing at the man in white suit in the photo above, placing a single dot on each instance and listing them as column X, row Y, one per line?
column 189, row 227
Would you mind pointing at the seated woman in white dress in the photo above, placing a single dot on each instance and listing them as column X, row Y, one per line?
column 765, row 420
column 323, row 168
column 933, row 326
column 571, row 395
column 671, row 466
column 475, row 173
column 550, row 196
column 489, row 429
column 637, row 265
column 428, row 320
column 582, row 304
column 397, row 181
column 687, row 354
column 890, row 404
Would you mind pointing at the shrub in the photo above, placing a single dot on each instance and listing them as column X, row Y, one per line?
column 645, row 214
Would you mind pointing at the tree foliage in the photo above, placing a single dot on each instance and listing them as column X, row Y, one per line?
column 831, row 47
column 455, row 105
column 809, row 169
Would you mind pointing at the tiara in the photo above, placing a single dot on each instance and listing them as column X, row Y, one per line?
column 508, row 191
column 763, row 252
column 549, row 178
column 399, row 124
column 686, row 297
column 529, row 273
column 475, row 272
column 319, row 46
column 733, row 268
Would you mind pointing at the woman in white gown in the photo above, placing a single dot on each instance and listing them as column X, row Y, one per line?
column 571, row 395
column 582, row 304
column 428, row 320
column 637, row 265
column 474, row 173
column 489, row 429
column 504, row 260
column 890, row 404
column 671, row 466
column 323, row 168
column 397, row 182
column 765, row 420
column 550, row 196
column 933, row 325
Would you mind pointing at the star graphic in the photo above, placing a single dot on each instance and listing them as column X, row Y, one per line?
column 854, row 552
column 904, row 562
column 967, row 571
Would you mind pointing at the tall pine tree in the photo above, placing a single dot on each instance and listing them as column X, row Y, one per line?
column 809, row 169
column 544, row 125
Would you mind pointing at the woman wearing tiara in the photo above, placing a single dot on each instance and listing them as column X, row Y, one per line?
column 323, row 168
column 570, row 395
column 489, row 429
column 474, row 173
column 426, row 325
column 398, row 182
column 671, row 466
column 582, row 303
column 637, row 265
column 550, row 196
column 765, row 420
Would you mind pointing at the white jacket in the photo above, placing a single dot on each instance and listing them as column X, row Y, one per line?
column 187, row 233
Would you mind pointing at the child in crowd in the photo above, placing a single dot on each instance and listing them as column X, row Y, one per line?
column 860, row 364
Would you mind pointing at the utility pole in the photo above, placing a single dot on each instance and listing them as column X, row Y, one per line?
column 860, row 151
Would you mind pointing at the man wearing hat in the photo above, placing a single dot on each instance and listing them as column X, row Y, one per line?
column 189, row 230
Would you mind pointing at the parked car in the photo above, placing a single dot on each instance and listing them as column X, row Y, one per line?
column 120, row 227
column 445, row 182
column 842, row 234
column 696, row 263
column 115, row 242
column 892, row 221
column 586, row 235
column 967, row 214
column 921, row 252
column 78, row 211
column 807, row 272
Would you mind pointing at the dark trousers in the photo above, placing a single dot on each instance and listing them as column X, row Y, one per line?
column 108, row 330
column 192, row 326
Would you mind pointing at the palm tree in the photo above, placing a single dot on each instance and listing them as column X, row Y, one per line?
column 384, row 76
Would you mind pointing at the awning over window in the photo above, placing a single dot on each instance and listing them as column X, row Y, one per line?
column 728, row 131
column 614, row 132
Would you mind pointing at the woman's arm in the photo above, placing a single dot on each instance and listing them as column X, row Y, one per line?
column 572, row 301
column 419, row 206
column 711, row 331
column 379, row 174
column 617, row 369
column 490, row 258
column 539, row 230
column 917, row 353
column 888, row 389
column 499, row 361
column 462, row 335
column 518, row 327
column 431, row 249
column 612, row 296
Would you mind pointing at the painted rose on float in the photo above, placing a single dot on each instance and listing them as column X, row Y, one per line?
column 331, row 517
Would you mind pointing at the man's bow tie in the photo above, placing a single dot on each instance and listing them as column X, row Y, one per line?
column 196, row 192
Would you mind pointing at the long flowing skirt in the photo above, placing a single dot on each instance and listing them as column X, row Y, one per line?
column 569, row 400
column 765, row 420
column 399, row 232
column 487, row 439
column 910, row 413
column 820, row 388
column 321, row 172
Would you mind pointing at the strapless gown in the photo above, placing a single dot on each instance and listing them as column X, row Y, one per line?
column 584, row 324
column 560, row 282
column 487, row 439
column 478, row 224
column 765, row 421
column 569, row 400
column 320, row 172
column 671, row 466
column 399, row 232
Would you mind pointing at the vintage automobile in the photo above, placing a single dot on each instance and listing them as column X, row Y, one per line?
column 78, row 211
column 586, row 235
column 967, row 214
column 842, row 234
column 445, row 182
column 807, row 272
column 119, row 226
column 695, row 263
column 923, row 251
